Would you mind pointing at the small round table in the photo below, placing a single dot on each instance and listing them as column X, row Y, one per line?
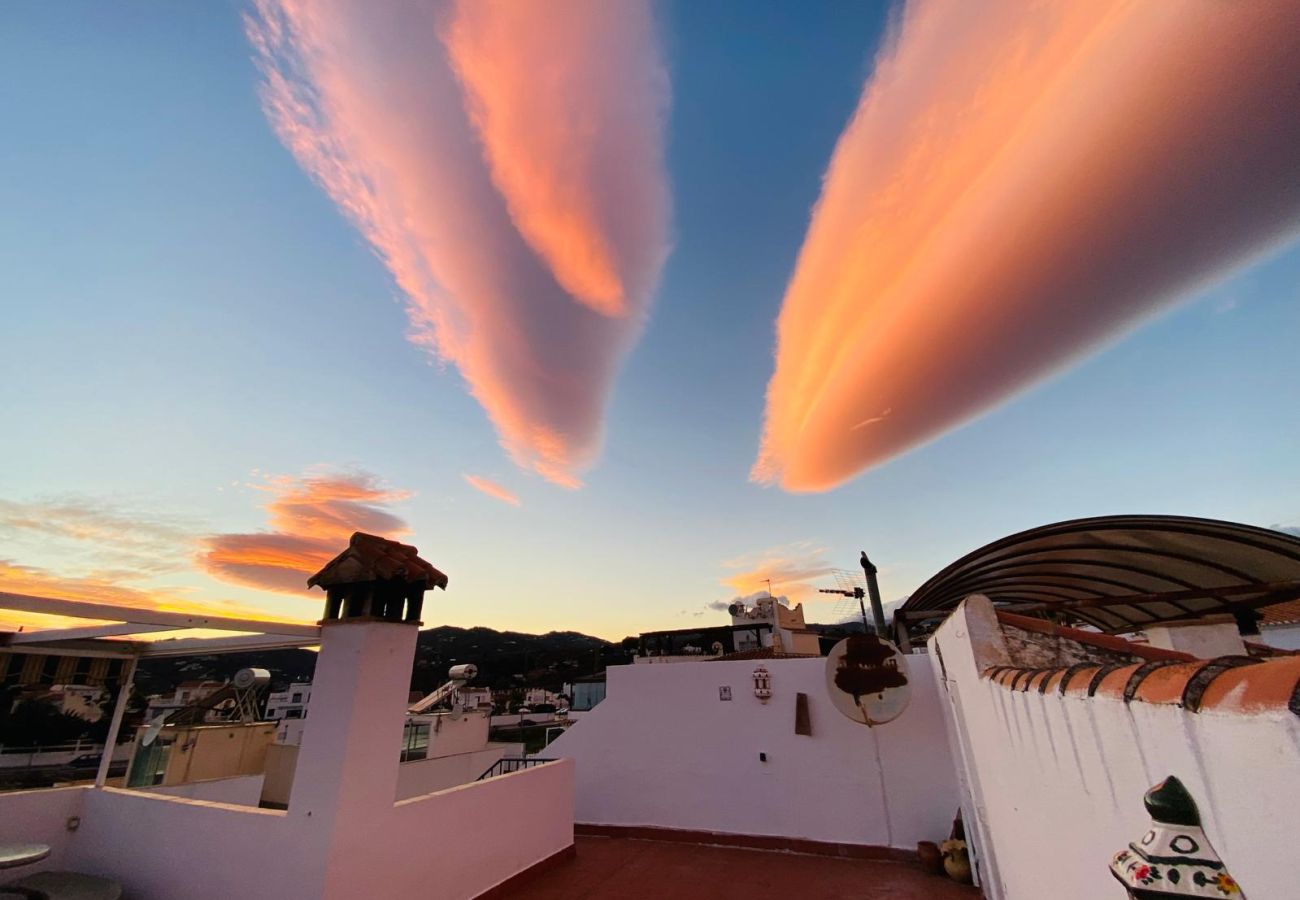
column 12, row 855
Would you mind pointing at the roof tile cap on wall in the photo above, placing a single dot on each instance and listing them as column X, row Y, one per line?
column 1234, row 684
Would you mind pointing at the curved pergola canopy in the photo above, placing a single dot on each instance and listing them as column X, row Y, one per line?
column 1121, row 573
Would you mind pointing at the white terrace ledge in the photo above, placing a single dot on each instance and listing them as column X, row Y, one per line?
column 343, row 835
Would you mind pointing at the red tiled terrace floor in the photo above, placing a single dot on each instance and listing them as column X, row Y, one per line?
column 626, row 869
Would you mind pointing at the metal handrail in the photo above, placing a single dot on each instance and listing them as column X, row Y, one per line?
column 508, row 764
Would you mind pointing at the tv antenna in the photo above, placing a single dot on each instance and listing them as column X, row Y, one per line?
column 850, row 586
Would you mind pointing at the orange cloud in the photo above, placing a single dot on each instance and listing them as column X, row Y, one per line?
column 492, row 489
column 793, row 571
column 528, row 232
column 312, row 518
column 559, row 94
column 1019, row 183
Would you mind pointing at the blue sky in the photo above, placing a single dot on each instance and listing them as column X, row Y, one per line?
column 187, row 315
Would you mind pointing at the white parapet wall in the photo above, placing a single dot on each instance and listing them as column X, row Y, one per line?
column 168, row 848
column 425, row 776
column 239, row 790
column 1053, row 781
column 51, row 816
column 343, row 836
column 664, row 751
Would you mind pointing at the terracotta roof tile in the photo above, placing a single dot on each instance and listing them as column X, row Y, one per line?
column 1166, row 685
column 1261, row 687
column 373, row 558
column 1081, row 679
column 1114, row 682
column 1237, row 684
column 1035, row 683
column 1287, row 613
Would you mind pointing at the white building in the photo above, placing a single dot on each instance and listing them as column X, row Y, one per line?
column 474, row 697
column 289, row 709
column 789, row 632
column 351, row 827
column 186, row 694
column 1279, row 626
column 290, row 703
column 768, row 627
column 1045, row 737
column 535, row 697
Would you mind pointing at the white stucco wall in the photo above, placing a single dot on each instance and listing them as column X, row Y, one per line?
column 459, row 843
column 41, row 817
column 1055, row 783
column 456, row 732
column 343, row 836
column 162, row 848
column 662, row 750
column 241, row 790
column 165, row 848
column 425, row 776
column 1284, row 637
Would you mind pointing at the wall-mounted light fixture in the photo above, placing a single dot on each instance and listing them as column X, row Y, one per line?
column 762, row 684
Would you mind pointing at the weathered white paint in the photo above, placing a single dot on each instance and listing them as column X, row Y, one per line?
column 1054, row 783
column 663, row 750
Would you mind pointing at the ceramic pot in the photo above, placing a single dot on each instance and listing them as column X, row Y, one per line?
column 956, row 861
column 930, row 857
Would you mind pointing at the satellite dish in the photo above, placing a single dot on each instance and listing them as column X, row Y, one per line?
column 736, row 609
column 249, row 678
column 151, row 730
column 866, row 678
column 718, row 648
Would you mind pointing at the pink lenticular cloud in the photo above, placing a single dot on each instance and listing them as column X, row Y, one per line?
column 574, row 148
column 1019, row 183
column 493, row 489
column 505, row 161
column 311, row 520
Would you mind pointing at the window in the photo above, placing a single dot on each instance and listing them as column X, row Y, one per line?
column 81, row 674
column 297, row 698
column 293, row 713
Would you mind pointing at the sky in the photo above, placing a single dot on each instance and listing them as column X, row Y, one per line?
column 620, row 310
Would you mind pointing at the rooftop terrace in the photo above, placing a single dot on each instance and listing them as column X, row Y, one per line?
column 628, row 869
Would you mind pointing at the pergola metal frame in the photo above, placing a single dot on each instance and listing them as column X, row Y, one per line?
column 110, row 640
column 1120, row 573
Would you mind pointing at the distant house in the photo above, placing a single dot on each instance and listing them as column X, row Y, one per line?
column 187, row 693
column 1279, row 625
column 586, row 692
column 289, row 708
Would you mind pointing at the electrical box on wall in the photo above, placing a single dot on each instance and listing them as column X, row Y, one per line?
column 724, row 692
